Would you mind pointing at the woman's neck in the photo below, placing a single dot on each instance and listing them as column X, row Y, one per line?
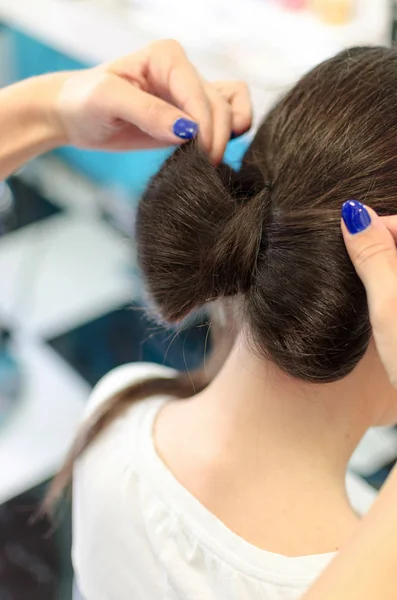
column 268, row 413
column 258, row 445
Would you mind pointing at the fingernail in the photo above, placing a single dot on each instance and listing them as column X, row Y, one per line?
column 185, row 129
column 355, row 216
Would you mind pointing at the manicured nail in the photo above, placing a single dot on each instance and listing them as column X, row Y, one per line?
column 355, row 216
column 185, row 129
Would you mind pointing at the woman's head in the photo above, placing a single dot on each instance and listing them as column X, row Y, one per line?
column 270, row 235
column 268, row 238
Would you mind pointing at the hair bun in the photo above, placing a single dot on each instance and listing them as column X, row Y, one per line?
column 198, row 234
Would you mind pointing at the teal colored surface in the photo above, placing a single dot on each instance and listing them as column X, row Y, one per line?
column 130, row 170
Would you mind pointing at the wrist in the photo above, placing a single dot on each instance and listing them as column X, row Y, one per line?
column 29, row 123
column 42, row 109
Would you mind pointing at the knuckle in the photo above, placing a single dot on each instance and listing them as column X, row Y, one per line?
column 171, row 46
column 375, row 249
column 233, row 85
column 223, row 106
column 219, row 103
column 153, row 111
column 241, row 86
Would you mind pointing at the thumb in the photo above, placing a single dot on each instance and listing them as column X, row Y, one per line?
column 372, row 249
column 157, row 118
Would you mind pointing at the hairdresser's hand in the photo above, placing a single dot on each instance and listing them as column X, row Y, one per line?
column 366, row 566
column 370, row 241
column 154, row 97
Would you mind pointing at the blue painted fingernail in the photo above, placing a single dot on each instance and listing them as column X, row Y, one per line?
column 355, row 216
column 185, row 129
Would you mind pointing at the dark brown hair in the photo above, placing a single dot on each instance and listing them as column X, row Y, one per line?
column 267, row 239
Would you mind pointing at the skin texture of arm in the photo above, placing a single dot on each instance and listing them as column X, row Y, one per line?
column 28, row 124
column 366, row 567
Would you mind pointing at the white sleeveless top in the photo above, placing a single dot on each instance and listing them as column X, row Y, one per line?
column 138, row 534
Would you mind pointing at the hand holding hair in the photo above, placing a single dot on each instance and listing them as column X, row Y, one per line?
column 371, row 243
column 152, row 98
column 366, row 567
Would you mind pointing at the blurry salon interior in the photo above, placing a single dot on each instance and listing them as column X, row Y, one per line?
column 72, row 305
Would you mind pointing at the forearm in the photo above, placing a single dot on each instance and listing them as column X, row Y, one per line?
column 28, row 123
column 366, row 568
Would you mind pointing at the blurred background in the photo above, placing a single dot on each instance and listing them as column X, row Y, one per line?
column 71, row 303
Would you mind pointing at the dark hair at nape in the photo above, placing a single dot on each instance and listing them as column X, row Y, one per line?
column 267, row 240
